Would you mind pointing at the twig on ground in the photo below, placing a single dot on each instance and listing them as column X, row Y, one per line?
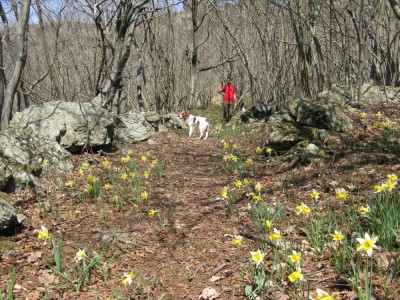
column 196, row 271
column 219, row 268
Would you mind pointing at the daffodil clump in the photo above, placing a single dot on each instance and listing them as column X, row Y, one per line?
column 341, row 194
column 93, row 186
column 302, row 209
column 237, row 240
column 43, row 233
column 128, row 279
column 388, row 185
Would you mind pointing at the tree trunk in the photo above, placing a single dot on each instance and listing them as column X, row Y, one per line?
column 46, row 52
column 2, row 76
column 19, row 62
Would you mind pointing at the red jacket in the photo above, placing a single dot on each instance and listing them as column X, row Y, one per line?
column 229, row 92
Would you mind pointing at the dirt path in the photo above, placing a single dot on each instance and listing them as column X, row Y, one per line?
column 193, row 244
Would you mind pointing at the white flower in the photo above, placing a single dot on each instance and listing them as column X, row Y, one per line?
column 367, row 244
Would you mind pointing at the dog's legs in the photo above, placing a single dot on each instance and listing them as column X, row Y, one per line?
column 203, row 131
column 206, row 136
column 190, row 131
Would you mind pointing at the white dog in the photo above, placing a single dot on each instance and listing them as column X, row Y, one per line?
column 194, row 121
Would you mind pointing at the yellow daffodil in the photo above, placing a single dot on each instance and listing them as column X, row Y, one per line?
column 234, row 147
column 125, row 159
column 148, row 154
column 337, row 236
column 153, row 163
column 257, row 187
column 226, row 146
column 144, row 195
column 322, row 295
column 268, row 223
column 233, row 157
column 238, row 183
column 352, row 109
column 363, row 115
column 246, row 181
column 389, row 185
column 275, row 235
column 128, row 279
column 129, row 152
column 45, row 162
column 224, row 195
column 81, row 171
column 132, row 175
column 257, row 257
column 295, row 257
column 107, row 186
column 341, row 194
column 392, row 177
column 144, row 158
column 296, row 275
column 379, row 188
column 225, row 157
column 80, row 255
column 258, row 150
column 303, row 209
column 85, row 165
column 124, row 176
column 249, row 161
column 237, row 240
column 389, row 124
column 364, row 210
column 146, row 174
column 315, row 195
column 89, row 188
column 256, row 197
column 105, row 163
column 152, row 212
column 367, row 244
column 43, row 233
column 92, row 179
column 268, row 150
column 378, row 114
column 69, row 183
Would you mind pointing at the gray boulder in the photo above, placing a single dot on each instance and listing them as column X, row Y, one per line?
column 132, row 127
column 319, row 114
column 9, row 216
column 22, row 155
column 75, row 126
column 284, row 133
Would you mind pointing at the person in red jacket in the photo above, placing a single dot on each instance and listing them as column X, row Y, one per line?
column 229, row 92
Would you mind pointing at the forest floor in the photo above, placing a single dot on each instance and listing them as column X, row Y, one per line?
column 186, row 250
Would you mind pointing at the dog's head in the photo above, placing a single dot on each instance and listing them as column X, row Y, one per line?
column 184, row 115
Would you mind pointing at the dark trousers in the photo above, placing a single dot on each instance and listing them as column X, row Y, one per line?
column 228, row 111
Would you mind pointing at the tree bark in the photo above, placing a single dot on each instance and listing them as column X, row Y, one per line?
column 19, row 62
column 46, row 52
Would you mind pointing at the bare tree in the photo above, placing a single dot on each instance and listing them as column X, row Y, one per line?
column 116, row 22
column 19, row 55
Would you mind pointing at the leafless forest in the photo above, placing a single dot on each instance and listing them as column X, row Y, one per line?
column 166, row 55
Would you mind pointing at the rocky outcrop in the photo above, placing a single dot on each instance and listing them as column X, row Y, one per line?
column 24, row 154
column 75, row 126
column 319, row 114
column 131, row 128
column 9, row 216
